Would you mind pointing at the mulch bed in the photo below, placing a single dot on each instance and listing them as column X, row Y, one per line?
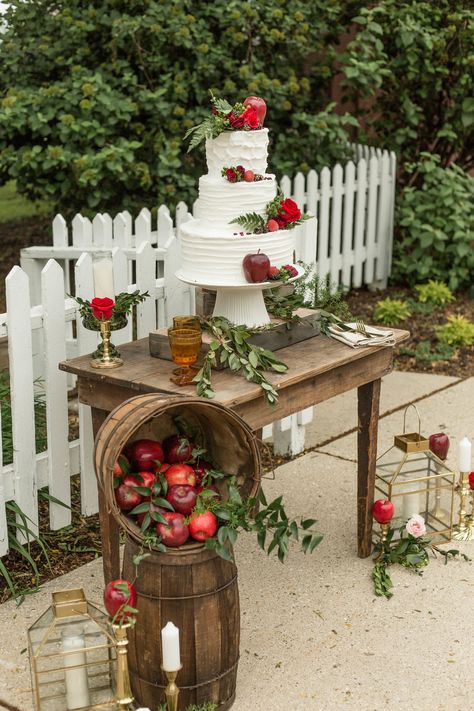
column 81, row 542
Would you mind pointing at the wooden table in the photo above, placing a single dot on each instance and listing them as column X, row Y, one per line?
column 319, row 368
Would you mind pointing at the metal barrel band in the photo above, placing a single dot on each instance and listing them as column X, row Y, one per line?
column 190, row 597
column 197, row 686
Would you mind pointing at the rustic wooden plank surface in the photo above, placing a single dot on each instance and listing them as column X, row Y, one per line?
column 306, row 360
column 368, row 415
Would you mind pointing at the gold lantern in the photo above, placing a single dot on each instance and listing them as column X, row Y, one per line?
column 73, row 656
column 417, row 482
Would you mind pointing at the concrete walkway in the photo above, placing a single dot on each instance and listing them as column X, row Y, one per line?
column 314, row 636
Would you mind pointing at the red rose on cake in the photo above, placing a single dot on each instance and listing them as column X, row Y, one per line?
column 289, row 211
column 248, row 117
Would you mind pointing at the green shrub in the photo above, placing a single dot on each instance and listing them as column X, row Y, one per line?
column 435, row 225
column 409, row 74
column 457, row 332
column 320, row 293
column 424, row 352
column 391, row 311
column 96, row 97
column 434, row 292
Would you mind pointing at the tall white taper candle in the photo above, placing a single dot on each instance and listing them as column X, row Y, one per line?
column 465, row 454
column 77, row 688
column 103, row 273
column 170, row 647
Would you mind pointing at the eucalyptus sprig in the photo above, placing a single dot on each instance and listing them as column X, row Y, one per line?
column 231, row 346
column 273, row 528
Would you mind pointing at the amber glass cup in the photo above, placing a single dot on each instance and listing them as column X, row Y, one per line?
column 187, row 322
column 185, row 344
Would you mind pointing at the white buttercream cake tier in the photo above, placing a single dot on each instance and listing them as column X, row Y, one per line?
column 221, row 201
column 212, row 255
column 232, row 148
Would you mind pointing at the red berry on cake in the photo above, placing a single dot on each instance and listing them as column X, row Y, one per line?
column 241, row 170
column 290, row 269
column 249, row 176
column 231, row 175
column 273, row 273
column 272, row 225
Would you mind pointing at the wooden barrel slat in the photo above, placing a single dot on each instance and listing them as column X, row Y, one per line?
column 200, row 596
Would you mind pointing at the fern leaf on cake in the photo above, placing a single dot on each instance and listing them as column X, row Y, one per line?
column 221, row 105
column 198, row 133
column 251, row 222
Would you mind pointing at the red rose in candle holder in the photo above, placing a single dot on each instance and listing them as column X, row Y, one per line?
column 102, row 308
column 471, row 480
column 383, row 510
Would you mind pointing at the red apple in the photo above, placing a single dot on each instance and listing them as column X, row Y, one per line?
column 146, row 479
column 256, row 267
column 145, row 453
column 259, row 105
column 127, row 497
column 175, row 532
column 383, row 510
column 177, row 448
column 121, row 466
column 117, row 595
column 180, row 474
column 471, row 480
column 439, row 444
column 182, row 498
column 202, row 526
column 163, row 468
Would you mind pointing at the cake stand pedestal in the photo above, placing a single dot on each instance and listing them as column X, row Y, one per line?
column 241, row 303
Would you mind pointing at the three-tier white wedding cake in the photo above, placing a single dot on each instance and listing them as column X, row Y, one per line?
column 212, row 248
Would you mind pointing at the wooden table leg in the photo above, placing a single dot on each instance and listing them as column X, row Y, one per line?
column 109, row 529
column 368, row 398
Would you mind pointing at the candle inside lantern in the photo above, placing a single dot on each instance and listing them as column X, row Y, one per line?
column 170, row 648
column 103, row 273
column 411, row 503
column 77, row 688
column 464, row 454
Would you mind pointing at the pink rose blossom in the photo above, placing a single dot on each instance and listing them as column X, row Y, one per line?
column 416, row 526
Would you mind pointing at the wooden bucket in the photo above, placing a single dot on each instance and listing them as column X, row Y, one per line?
column 231, row 443
column 197, row 591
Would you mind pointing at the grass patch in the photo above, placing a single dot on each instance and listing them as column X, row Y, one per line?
column 6, row 410
column 15, row 207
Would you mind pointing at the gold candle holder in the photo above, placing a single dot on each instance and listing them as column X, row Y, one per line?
column 107, row 360
column 463, row 531
column 172, row 691
column 384, row 529
column 124, row 696
column 471, row 517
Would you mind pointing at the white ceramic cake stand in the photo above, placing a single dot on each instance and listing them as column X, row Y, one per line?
column 241, row 303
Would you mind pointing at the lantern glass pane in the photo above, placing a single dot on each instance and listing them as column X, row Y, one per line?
column 73, row 660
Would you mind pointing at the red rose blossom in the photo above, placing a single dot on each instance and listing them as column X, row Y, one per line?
column 102, row 308
column 250, row 117
column 289, row 211
column 235, row 121
column 231, row 175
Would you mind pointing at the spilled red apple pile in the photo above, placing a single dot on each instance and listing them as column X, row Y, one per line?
column 164, row 487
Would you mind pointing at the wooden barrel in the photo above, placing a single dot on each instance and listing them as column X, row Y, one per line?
column 197, row 591
column 229, row 440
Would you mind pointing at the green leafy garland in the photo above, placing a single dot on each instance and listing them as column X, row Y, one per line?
column 408, row 551
column 230, row 346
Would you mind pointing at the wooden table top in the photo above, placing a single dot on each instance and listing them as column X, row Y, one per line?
column 308, row 363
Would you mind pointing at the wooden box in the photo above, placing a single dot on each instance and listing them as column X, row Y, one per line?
column 280, row 336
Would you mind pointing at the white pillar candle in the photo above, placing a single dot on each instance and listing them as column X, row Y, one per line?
column 411, row 503
column 464, row 455
column 103, row 273
column 170, row 647
column 77, row 688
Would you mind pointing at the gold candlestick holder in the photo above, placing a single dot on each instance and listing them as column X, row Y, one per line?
column 384, row 529
column 471, row 517
column 172, row 691
column 107, row 360
column 463, row 531
column 124, row 696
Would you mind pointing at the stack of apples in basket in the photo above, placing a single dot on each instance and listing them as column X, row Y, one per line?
column 162, row 487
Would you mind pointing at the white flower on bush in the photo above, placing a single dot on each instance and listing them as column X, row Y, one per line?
column 416, row 526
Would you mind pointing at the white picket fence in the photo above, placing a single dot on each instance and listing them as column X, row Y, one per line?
column 350, row 241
